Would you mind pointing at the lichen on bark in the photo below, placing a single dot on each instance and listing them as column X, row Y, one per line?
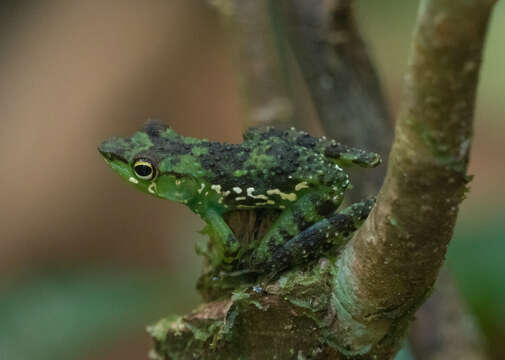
column 247, row 325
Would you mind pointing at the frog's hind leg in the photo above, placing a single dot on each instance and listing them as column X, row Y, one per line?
column 311, row 207
column 325, row 235
column 345, row 155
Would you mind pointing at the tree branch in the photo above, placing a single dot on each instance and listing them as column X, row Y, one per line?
column 267, row 97
column 389, row 267
column 342, row 81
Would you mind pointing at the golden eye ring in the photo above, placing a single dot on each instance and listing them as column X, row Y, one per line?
column 144, row 169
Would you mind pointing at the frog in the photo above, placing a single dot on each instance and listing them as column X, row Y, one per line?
column 300, row 176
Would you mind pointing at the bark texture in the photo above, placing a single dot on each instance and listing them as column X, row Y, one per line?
column 390, row 266
column 263, row 81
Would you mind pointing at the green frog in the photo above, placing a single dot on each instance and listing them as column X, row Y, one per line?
column 298, row 175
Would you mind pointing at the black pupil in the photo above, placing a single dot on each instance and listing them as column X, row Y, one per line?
column 143, row 170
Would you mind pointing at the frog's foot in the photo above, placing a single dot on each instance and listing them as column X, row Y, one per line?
column 346, row 155
column 326, row 235
column 310, row 208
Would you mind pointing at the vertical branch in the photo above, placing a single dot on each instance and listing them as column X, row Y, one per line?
column 266, row 94
column 389, row 267
column 342, row 81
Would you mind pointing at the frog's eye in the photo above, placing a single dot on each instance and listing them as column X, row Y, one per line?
column 144, row 169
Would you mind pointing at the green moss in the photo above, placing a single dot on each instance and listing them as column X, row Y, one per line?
column 160, row 330
column 175, row 339
column 441, row 147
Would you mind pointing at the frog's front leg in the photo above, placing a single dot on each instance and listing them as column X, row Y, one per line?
column 224, row 240
column 325, row 235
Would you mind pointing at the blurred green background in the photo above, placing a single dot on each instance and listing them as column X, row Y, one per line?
column 86, row 262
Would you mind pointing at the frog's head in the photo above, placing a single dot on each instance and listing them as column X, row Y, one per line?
column 146, row 159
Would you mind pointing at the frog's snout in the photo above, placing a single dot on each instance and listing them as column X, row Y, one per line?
column 107, row 155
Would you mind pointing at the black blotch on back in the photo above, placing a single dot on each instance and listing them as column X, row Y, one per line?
column 306, row 140
column 163, row 147
column 154, row 127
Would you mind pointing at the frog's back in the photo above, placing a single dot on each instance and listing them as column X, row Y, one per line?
column 269, row 168
column 266, row 170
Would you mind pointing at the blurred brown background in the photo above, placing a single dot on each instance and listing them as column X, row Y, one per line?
column 86, row 262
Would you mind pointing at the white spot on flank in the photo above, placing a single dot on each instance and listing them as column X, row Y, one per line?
column 133, row 180
column 250, row 194
column 268, row 202
column 237, row 189
column 240, row 198
column 201, row 188
column 284, row 196
column 302, row 185
column 216, row 188
column 226, row 193
column 152, row 188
